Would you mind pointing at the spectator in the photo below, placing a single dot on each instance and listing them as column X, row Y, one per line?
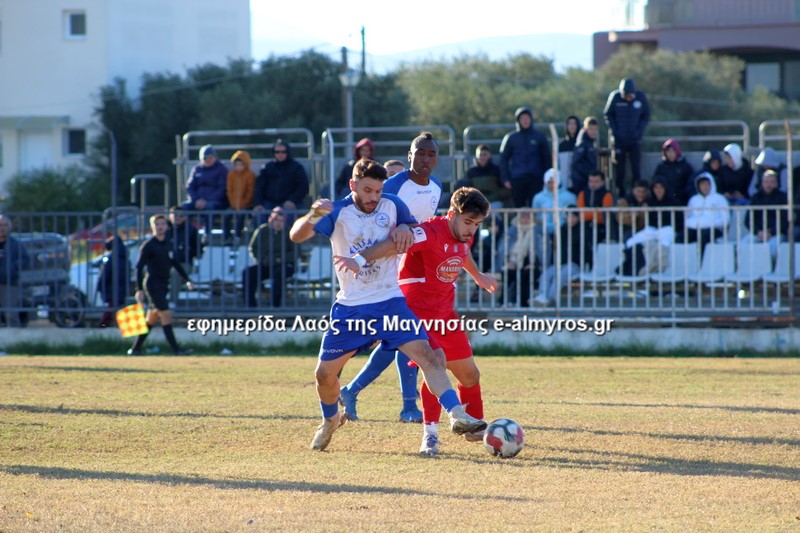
column 768, row 159
column 364, row 149
column 765, row 225
column 712, row 163
column 393, row 166
column 584, row 157
column 206, row 185
column 240, row 185
column 273, row 253
column 627, row 113
column 595, row 195
column 708, row 212
column 484, row 175
column 674, row 168
column 186, row 246
column 547, row 199
column 735, row 175
column 630, row 220
column 574, row 253
column 282, row 182
column 13, row 259
column 524, row 156
column 520, row 266
column 661, row 197
column 571, row 128
column 113, row 282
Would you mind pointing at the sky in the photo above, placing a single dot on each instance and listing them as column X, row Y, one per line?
column 394, row 27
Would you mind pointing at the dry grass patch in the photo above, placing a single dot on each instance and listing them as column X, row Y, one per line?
column 187, row 444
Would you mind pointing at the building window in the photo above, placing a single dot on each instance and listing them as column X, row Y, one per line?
column 76, row 142
column 75, row 25
column 766, row 75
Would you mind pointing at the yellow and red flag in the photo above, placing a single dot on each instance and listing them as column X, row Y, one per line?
column 131, row 320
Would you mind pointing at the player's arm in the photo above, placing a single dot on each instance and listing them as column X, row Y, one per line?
column 387, row 247
column 303, row 227
column 486, row 282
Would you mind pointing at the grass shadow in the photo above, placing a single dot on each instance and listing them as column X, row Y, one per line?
column 96, row 369
column 732, row 408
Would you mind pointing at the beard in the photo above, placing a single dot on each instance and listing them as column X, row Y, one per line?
column 366, row 208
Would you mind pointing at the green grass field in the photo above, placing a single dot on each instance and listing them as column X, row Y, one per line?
column 221, row 444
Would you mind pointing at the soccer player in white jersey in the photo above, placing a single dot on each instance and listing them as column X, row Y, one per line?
column 361, row 219
column 421, row 192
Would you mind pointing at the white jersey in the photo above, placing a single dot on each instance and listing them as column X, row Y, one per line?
column 351, row 231
column 422, row 200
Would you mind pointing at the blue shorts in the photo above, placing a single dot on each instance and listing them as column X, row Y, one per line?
column 357, row 327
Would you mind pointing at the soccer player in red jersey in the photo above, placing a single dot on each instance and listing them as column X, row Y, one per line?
column 428, row 273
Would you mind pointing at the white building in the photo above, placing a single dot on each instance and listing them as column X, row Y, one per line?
column 56, row 54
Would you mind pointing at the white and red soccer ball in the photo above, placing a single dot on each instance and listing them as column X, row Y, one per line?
column 504, row 438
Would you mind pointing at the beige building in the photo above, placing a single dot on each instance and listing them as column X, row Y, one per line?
column 56, row 54
column 764, row 33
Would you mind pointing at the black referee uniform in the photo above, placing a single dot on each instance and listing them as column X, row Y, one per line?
column 157, row 257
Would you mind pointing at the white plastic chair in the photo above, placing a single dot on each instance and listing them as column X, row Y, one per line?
column 718, row 262
column 682, row 264
column 753, row 262
column 781, row 272
column 320, row 265
column 607, row 257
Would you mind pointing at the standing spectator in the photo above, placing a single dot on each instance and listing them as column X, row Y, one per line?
column 13, row 259
column 364, row 149
column 674, row 169
column 544, row 202
column 393, row 166
column 768, row 159
column 273, row 253
column 627, row 114
column 282, row 182
column 186, row 245
column 152, row 280
column 595, row 195
column 524, row 156
column 631, row 220
column 767, row 225
column 734, row 175
column 206, row 185
column 113, row 283
column 584, row 157
column 708, row 212
column 485, row 176
column 240, row 187
column 574, row 253
column 571, row 128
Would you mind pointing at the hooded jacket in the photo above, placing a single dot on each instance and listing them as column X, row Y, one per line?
column 208, row 183
column 281, row 181
column 627, row 120
column 114, row 271
column 736, row 178
column 525, row 153
column 241, row 184
column 347, row 171
column 710, row 211
column 766, row 160
column 658, row 218
column 676, row 173
column 545, row 199
column 568, row 143
column 584, row 161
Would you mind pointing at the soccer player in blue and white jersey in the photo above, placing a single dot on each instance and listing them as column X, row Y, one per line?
column 358, row 221
column 421, row 192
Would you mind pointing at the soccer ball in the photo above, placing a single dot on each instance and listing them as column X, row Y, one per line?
column 504, row 438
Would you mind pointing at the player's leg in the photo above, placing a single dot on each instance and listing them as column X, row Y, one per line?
column 326, row 376
column 150, row 318
column 431, row 413
column 379, row 361
column 469, row 390
column 408, row 388
column 166, row 325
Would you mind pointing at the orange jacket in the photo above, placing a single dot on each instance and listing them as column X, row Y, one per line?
column 595, row 216
column 241, row 184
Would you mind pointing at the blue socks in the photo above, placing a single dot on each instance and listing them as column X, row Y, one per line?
column 379, row 361
column 329, row 409
column 408, row 381
column 449, row 400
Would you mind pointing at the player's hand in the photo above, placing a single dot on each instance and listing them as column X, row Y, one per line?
column 139, row 296
column 344, row 263
column 403, row 238
column 319, row 209
column 487, row 282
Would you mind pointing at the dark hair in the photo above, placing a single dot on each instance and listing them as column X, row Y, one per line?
column 641, row 183
column 589, row 121
column 482, row 147
column 161, row 216
column 598, row 172
column 469, row 200
column 367, row 168
column 424, row 136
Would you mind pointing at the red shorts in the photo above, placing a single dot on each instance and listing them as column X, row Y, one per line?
column 453, row 340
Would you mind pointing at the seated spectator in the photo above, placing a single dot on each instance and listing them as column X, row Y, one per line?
column 571, row 128
column 712, row 163
column 633, row 221
column 521, row 267
column 13, row 259
column 240, row 186
column 364, row 149
column 595, row 195
column 584, row 157
column 206, row 187
column 660, row 197
column 113, row 282
column 273, row 253
column 484, row 175
column 282, row 182
column 547, row 199
column 674, row 169
column 393, row 166
column 735, row 175
column 768, row 159
column 187, row 245
column 708, row 213
column 765, row 225
column 575, row 254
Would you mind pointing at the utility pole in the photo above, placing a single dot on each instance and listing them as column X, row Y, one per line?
column 363, row 52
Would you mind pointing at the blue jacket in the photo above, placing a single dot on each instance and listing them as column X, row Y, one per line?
column 544, row 200
column 525, row 153
column 13, row 258
column 584, row 160
column 627, row 120
column 208, row 183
